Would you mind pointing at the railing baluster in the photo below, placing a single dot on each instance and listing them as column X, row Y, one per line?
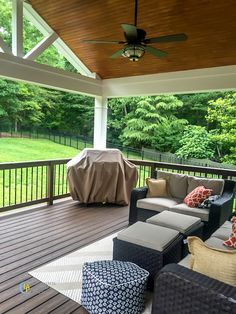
column 37, row 182
column 9, row 187
column 15, row 184
column 21, row 183
column 42, row 177
column 32, row 183
column 58, row 179
column 3, row 186
column 26, row 190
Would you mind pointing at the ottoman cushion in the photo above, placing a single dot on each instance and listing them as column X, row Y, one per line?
column 113, row 287
column 148, row 235
column 179, row 222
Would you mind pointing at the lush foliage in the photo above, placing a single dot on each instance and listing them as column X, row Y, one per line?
column 222, row 117
column 195, row 143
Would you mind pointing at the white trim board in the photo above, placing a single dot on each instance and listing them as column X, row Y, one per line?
column 18, row 69
column 59, row 44
column 191, row 81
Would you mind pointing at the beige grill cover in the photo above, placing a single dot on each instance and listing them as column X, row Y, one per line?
column 101, row 176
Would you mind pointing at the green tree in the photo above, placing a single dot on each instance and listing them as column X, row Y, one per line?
column 144, row 122
column 195, row 107
column 168, row 134
column 222, row 118
column 195, row 143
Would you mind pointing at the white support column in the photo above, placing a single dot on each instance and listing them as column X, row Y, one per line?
column 41, row 47
column 100, row 123
column 4, row 47
column 17, row 28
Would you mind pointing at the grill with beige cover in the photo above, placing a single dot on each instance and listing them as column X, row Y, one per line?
column 101, row 176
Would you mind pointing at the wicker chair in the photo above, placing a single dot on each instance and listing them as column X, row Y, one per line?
column 180, row 290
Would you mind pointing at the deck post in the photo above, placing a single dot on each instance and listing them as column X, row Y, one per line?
column 50, row 183
column 100, row 123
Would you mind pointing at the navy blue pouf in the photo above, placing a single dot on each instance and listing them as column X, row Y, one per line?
column 113, row 287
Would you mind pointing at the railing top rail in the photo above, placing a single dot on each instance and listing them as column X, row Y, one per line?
column 153, row 164
column 35, row 163
column 157, row 164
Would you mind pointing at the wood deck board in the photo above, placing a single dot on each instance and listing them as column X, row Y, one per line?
column 31, row 239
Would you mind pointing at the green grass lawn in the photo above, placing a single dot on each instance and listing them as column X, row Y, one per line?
column 24, row 149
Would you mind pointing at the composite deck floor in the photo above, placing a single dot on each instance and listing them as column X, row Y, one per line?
column 33, row 238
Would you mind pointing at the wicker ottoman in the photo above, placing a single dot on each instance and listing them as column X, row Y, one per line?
column 185, row 224
column 113, row 287
column 149, row 246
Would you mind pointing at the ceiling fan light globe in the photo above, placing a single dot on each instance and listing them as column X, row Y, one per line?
column 133, row 52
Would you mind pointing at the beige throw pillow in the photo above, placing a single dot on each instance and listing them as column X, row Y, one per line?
column 156, row 187
column 215, row 263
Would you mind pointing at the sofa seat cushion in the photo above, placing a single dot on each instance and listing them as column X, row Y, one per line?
column 218, row 244
column 177, row 183
column 216, row 185
column 147, row 235
column 157, row 204
column 183, row 208
column 179, row 222
column 224, row 231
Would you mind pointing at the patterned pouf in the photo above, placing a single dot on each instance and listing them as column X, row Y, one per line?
column 113, row 287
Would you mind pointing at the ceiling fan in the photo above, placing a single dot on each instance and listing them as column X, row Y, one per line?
column 135, row 44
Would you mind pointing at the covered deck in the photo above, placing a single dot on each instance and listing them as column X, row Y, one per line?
column 32, row 238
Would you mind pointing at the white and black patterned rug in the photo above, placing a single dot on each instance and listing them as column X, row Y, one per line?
column 65, row 274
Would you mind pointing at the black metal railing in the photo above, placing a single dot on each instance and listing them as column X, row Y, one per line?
column 28, row 183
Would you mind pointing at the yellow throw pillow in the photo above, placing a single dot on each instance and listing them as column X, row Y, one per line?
column 156, row 187
column 214, row 263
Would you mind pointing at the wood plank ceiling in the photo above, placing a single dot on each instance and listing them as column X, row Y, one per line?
column 209, row 24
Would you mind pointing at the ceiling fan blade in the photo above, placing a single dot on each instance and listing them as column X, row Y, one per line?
column 167, row 39
column 156, row 52
column 117, row 54
column 130, row 31
column 103, row 41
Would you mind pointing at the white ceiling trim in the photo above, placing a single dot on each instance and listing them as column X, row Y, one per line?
column 19, row 69
column 191, row 81
column 59, row 44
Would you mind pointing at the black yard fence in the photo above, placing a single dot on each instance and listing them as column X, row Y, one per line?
column 81, row 141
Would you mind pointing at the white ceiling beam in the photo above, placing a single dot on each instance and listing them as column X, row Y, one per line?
column 17, row 28
column 41, row 47
column 45, row 29
column 191, row 81
column 4, row 47
column 19, row 69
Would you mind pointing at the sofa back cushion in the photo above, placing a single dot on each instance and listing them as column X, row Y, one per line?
column 216, row 185
column 212, row 262
column 176, row 183
column 156, row 187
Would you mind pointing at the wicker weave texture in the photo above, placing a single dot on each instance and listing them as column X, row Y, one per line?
column 180, row 290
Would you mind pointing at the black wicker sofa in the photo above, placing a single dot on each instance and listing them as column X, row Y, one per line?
column 179, row 290
column 217, row 214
